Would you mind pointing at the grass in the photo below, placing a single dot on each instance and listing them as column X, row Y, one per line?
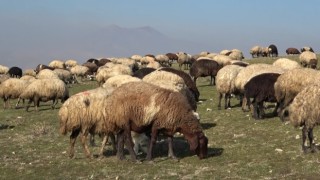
column 239, row 147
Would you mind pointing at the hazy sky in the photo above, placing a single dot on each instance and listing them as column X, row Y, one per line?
column 35, row 30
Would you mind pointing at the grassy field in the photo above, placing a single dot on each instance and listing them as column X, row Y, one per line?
column 239, row 147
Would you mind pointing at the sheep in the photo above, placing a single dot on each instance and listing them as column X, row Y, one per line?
column 116, row 81
column 304, row 112
column 47, row 74
column 145, row 106
column 136, row 57
column 15, row 72
column 264, row 52
column 225, row 83
column 45, row 90
column 154, row 64
column 261, row 89
column 255, row 51
column 203, row 68
column 30, row 72
column 3, row 69
column 41, row 67
column 77, row 115
column 172, row 57
column 236, row 55
column 307, row 48
column 187, row 80
column 273, row 50
column 183, row 59
column 238, row 63
column 64, row 75
column 290, row 83
column 93, row 68
column 79, row 71
column 128, row 62
column 143, row 72
column 211, row 55
column 249, row 72
column 292, row 51
column 163, row 59
column 93, row 60
column 70, row 63
column 12, row 89
column 308, row 59
column 103, row 61
column 172, row 82
column 286, row 64
column 117, row 69
column 146, row 60
column 225, row 52
column 28, row 78
column 222, row 60
column 57, row 64
column 3, row 77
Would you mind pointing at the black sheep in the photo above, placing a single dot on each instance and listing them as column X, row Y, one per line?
column 261, row 89
column 143, row 72
column 15, row 72
column 273, row 51
column 203, row 68
column 187, row 80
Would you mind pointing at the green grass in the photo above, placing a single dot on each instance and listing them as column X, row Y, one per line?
column 239, row 147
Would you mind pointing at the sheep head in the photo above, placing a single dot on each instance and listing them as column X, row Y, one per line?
column 198, row 143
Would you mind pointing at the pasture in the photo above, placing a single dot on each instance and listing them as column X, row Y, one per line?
column 239, row 147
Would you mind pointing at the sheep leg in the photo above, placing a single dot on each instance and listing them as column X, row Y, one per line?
column 103, row 144
column 28, row 105
column 226, row 100
column 120, row 144
column 54, row 103
column 130, row 144
column 255, row 109
column 19, row 99
column 170, row 146
column 195, row 80
column 84, row 144
column 154, row 134
column 275, row 111
column 244, row 104
column 311, row 141
column 219, row 104
column 260, row 110
column 73, row 138
column 304, row 139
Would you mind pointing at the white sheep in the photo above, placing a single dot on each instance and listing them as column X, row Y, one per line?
column 222, row 60
column 225, row 83
column 57, row 64
column 70, row 63
column 286, row 63
column 117, row 69
column 12, row 89
column 308, row 59
column 47, row 74
column 4, row 69
column 45, row 90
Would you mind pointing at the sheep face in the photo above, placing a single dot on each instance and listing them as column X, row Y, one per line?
column 198, row 143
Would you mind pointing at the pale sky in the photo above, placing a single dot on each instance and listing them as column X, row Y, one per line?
column 38, row 31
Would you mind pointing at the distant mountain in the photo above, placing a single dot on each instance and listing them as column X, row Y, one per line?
column 31, row 47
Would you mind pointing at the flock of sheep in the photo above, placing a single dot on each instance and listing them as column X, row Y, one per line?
column 152, row 98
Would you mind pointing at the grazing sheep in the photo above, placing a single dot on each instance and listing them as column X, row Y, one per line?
column 64, row 75
column 3, row 69
column 143, row 72
column 249, row 72
column 78, row 115
column 163, row 60
column 47, row 74
column 286, row 64
column 94, row 61
column 264, row 52
column 292, row 51
column 70, row 63
column 41, row 67
column 57, row 64
column 103, row 61
column 261, row 89
column 273, row 50
column 255, row 51
column 79, row 71
column 45, row 90
column 146, row 60
column 11, row 89
column 127, row 62
column 308, row 59
column 306, row 49
column 172, row 82
column 135, row 57
column 184, row 59
column 225, row 83
column 15, row 72
column 304, row 112
column 225, row 52
column 93, row 68
column 290, row 83
column 146, row 106
column 187, row 80
column 154, row 64
column 203, row 68
column 236, row 54
column 172, row 57
column 113, row 70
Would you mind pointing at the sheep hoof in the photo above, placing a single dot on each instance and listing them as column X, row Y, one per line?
column 306, row 150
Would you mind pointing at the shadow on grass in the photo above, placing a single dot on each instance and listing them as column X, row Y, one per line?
column 208, row 125
column 5, row 126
